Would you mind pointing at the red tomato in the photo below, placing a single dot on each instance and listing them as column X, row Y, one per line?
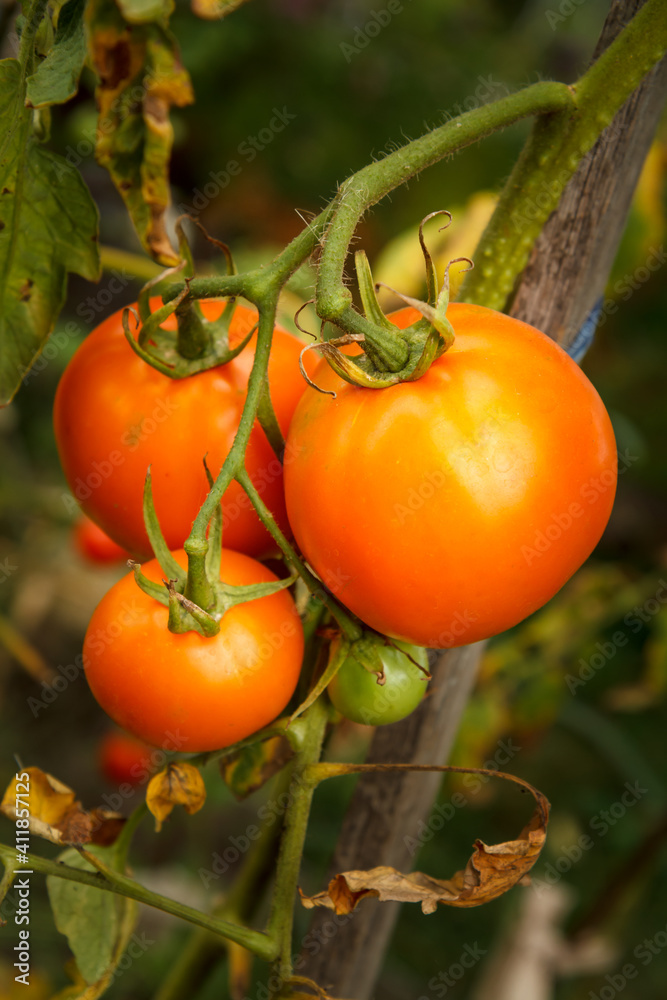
column 95, row 545
column 446, row 510
column 115, row 416
column 185, row 692
column 124, row 759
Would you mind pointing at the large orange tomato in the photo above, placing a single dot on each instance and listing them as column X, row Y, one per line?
column 446, row 510
column 188, row 692
column 115, row 416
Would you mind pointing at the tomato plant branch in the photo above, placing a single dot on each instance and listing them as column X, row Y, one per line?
column 302, row 788
column 369, row 185
column 554, row 151
column 110, row 881
column 240, row 903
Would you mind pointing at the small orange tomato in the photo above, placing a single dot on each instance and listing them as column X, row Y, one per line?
column 446, row 510
column 186, row 692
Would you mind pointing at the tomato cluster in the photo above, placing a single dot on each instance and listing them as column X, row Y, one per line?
column 439, row 511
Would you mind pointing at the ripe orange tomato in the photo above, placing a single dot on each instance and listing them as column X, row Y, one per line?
column 123, row 759
column 446, row 510
column 184, row 691
column 95, row 545
column 115, row 416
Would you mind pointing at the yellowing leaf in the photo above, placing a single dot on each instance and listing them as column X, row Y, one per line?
column 141, row 77
column 490, row 872
column 176, row 785
column 250, row 768
column 54, row 813
column 215, row 10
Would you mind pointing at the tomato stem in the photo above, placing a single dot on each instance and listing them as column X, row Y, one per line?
column 279, row 927
column 257, row 942
column 554, row 151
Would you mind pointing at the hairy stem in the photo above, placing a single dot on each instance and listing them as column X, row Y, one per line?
column 372, row 183
column 555, row 150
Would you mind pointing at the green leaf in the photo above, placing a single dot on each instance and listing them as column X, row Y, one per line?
column 140, row 79
column 97, row 924
column 87, row 917
column 57, row 77
column 48, row 226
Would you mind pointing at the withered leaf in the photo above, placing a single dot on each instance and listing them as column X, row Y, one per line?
column 490, row 872
column 141, row 78
column 248, row 769
column 176, row 785
column 54, row 812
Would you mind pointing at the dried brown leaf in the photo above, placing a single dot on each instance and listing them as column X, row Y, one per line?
column 54, row 812
column 176, row 785
column 490, row 872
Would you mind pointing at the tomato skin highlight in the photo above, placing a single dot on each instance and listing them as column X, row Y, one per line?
column 355, row 692
column 184, row 691
column 114, row 416
column 444, row 511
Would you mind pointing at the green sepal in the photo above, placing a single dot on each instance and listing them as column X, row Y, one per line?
column 154, row 590
column 372, row 308
column 338, row 653
column 269, row 422
column 365, row 652
column 164, row 355
column 431, row 274
column 186, row 616
column 229, row 596
column 161, row 550
column 214, row 554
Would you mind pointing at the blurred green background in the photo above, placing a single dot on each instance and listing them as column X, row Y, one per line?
column 585, row 709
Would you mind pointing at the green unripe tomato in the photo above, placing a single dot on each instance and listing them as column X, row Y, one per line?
column 355, row 691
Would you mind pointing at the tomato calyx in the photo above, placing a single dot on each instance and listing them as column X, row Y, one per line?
column 391, row 355
column 197, row 343
column 197, row 599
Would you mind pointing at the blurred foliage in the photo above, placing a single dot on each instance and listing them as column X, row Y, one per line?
column 580, row 743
